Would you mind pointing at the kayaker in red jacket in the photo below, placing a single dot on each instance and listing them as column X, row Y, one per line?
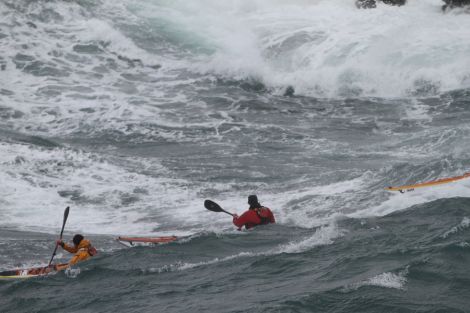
column 256, row 215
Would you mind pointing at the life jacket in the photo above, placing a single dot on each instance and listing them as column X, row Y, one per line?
column 264, row 215
column 89, row 249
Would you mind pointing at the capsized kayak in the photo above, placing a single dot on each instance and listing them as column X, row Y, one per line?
column 30, row 272
column 441, row 181
column 131, row 241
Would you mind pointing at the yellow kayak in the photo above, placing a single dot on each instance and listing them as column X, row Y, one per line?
column 441, row 181
column 30, row 272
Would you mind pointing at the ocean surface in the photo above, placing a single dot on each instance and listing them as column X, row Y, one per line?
column 134, row 112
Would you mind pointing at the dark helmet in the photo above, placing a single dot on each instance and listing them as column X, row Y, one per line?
column 77, row 239
column 253, row 201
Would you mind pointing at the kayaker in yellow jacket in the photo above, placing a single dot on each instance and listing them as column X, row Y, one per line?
column 81, row 247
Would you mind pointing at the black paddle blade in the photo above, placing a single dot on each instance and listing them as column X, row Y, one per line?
column 66, row 215
column 212, row 206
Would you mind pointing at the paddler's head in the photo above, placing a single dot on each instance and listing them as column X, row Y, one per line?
column 77, row 239
column 253, row 202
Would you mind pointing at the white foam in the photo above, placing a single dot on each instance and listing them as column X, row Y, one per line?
column 385, row 280
column 329, row 47
column 87, row 97
column 72, row 272
column 464, row 224
column 181, row 266
column 32, row 178
column 324, row 235
column 316, row 205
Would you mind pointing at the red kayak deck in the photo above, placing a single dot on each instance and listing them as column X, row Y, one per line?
column 154, row 240
column 29, row 272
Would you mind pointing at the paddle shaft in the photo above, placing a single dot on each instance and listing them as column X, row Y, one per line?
column 214, row 207
column 66, row 215
column 231, row 214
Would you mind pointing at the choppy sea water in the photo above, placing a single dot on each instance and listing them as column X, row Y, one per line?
column 134, row 112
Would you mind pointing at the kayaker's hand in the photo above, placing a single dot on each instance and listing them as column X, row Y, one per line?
column 235, row 216
column 59, row 243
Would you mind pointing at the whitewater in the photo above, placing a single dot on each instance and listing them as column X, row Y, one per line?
column 134, row 112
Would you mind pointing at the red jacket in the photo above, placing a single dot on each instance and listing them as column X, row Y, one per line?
column 255, row 217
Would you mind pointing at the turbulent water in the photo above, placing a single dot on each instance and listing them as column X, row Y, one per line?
column 134, row 112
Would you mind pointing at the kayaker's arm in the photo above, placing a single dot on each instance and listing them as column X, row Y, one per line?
column 249, row 218
column 236, row 221
column 81, row 255
column 271, row 217
column 71, row 249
